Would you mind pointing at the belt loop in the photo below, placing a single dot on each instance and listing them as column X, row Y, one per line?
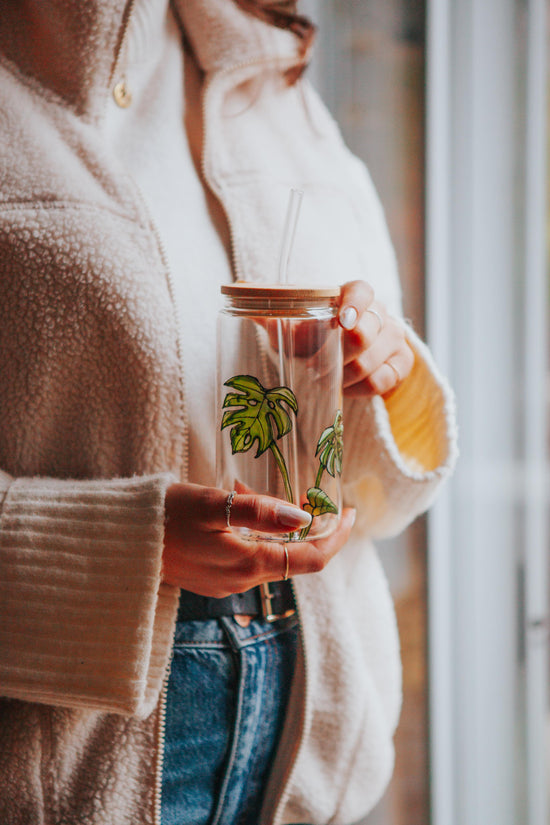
column 230, row 631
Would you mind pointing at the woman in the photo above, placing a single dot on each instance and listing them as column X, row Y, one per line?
column 147, row 152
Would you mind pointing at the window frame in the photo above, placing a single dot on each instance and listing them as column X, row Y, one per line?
column 487, row 325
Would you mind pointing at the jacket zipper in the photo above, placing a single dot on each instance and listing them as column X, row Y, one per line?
column 159, row 760
column 235, row 261
column 280, row 63
column 161, row 717
column 184, row 456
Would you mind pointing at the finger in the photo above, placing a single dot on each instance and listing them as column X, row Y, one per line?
column 375, row 372
column 387, row 344
column 361, row 368
column 382, row 378
column 355, row 297
column 316, row 555
column 392, row 373
column 309, row 556
column 365, row 333
column 262, row 513
column 242, row 564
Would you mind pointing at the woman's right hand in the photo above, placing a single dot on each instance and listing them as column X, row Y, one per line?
column 203, row 555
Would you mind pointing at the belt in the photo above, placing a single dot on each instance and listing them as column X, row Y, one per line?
column 273, row 600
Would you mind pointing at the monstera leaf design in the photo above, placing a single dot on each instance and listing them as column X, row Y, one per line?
column 330, row 448
column 319, row 503
column 260, row 417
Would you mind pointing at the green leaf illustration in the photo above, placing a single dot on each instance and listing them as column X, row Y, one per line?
column 318, row 502
column 330, row 448
column 261, row 417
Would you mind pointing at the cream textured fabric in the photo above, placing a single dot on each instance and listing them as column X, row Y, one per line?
column 94, row 380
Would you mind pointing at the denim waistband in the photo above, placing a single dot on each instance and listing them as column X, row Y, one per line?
column 225, row 632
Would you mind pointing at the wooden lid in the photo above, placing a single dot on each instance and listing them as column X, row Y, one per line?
column 279, row 291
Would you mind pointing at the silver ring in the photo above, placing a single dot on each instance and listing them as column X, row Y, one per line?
column 228, row 503
column 287, row 563
column 396, row 371
column 378, row 318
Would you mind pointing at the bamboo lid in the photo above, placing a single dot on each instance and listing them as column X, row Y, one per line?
column 285, row 292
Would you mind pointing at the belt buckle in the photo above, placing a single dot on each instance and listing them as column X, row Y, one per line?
column 267, row 598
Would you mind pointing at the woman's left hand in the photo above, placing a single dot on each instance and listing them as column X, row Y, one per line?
column 377, row 356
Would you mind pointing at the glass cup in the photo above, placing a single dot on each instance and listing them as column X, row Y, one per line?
column 279, row 400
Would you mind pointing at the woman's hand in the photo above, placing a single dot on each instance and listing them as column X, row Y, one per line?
column 377, row 356
column 203, row 555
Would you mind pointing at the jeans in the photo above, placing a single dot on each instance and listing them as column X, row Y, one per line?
column 226, row 701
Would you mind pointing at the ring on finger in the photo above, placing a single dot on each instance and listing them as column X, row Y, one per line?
column 228, row 503
column 396, row 371
column 378, row 318
column 287, row 563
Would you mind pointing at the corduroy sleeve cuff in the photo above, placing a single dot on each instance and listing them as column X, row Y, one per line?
column 400, row 448
column 85, row 620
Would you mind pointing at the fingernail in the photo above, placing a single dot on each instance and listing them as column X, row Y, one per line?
column 353, row 517
column 348, row 317
column 292, row 517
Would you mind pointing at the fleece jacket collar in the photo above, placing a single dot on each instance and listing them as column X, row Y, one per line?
column 66, row 48
column 224, row 36
column 71, row 49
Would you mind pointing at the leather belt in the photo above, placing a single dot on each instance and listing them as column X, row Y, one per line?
column 272, row 601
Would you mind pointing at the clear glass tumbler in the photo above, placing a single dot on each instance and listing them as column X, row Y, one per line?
column 279, row 399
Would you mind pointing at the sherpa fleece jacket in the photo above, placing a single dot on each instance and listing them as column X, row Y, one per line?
column 93, row 424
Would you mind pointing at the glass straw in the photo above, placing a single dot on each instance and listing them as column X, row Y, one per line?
column 291, row 221
column 284, row 330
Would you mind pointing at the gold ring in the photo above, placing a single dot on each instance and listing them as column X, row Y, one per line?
column 378, row 318
column 228, row 503
column 396, row 371
column 287, row 562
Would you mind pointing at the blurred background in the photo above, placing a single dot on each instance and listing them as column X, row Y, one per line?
column 447, row 102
